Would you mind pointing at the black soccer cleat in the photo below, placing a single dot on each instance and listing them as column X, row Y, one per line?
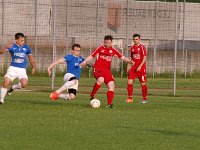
column 91, row 98
column 9, row 92
column 110, row 106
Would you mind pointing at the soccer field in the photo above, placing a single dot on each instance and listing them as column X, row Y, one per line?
column 31, row 121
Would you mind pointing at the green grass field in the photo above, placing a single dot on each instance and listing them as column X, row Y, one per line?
column 31, row 121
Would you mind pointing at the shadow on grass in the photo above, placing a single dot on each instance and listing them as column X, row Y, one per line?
column 174, row 133
column 49, row 102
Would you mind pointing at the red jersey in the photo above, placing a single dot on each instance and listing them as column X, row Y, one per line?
column 104, row 56
column 137, row 55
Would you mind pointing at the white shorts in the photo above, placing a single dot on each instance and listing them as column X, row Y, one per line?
column 67, row 77
column 15, row 72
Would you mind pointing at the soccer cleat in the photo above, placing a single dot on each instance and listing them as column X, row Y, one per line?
column 9, row 92
column 110, row 106
column 144, row 101
column 54, row 96
column 91, row 98
column 1, row 101
column 129, row 100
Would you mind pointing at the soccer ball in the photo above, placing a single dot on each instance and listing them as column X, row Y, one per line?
column 95, row 103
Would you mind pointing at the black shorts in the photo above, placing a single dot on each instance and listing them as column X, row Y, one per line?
column 72, row 91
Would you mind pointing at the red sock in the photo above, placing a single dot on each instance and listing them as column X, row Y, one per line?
column 110, row 96
column 144, row 92
column 95, row 89
column 130, row 90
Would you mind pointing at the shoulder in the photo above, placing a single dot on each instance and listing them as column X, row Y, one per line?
column 132, row 47
column 26, row 46
column 114, row 49
column 100, row 47
column 80, row 57
column 142, row 45
column 67, row 56
column 12, row 46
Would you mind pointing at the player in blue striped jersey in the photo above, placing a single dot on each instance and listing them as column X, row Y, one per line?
column 72, row 74
column 18, row 50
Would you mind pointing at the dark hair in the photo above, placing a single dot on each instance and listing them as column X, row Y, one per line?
column 136, row 35
column 18, row 35
column 108, row 37
column 76, row 45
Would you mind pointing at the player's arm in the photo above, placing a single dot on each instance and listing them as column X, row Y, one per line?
column 126, row 59
column 61, row 60
column 129, row 65
column 86, row 60
column 142, row 63
column 4, row 50
column 32, row 61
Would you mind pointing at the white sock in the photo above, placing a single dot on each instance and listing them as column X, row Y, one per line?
column 64, row 96
column 3, row 94
column 17, row 86
column 67, row 85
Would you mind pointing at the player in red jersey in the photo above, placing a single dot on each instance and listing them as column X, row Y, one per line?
column 138, row 68
column 102, row 66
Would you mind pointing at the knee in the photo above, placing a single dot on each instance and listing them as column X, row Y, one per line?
column 100, row 80
column 72, row 96
column 6, row 83
column 23, row 85
column 130, row 81
column 143, row 83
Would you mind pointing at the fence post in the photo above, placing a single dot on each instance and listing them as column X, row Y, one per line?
column 186, row 56
column 35, row 29
column 155, row 42
column 54, row 41
column 175, row 48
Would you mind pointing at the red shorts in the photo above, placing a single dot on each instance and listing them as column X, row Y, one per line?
column 141, row 75
column 105, row 73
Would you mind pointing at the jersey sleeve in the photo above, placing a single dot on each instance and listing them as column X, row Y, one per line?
column 68, row 58
column 28, row 50
column 96, row 51
column 119, row 55
column 9, row 49
column 144, row 51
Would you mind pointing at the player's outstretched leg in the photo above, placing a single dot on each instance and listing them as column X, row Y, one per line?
column 65, row 96
column 94, row 90
column 10, row 90
column 3, row 94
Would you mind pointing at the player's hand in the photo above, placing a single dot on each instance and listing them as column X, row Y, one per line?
column 128, row 67
column 8, row 46
column 33, row 71
column 82, row 64
column 130, row 61
column 49, row 71
column 138, row 69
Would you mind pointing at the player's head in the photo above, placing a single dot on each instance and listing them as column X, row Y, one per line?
column 108, row 41
column 76, row 49
column 20, row 39
column 136, row 39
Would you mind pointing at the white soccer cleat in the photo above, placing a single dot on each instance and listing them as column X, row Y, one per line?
column 144, row 101
column 1, row 101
